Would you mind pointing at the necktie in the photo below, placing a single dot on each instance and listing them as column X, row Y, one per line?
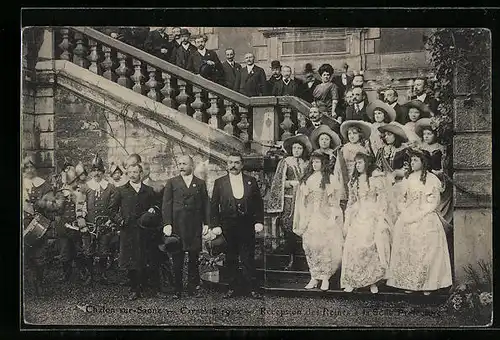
column 357, row 108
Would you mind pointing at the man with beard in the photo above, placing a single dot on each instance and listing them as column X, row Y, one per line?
column 422, row 93
column 133, row 199
column 288, row 86
column 357, row 111
column 310, row 84
column 251, row 80
column 315, row 120
column 275, row 76
column 205, row 62
column 237, row 207
column 391, row 98
column 176, row 43
column 231, row 69
column 185, row 49
column 186, row 213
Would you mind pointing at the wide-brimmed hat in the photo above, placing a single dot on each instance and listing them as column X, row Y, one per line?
column 422, row 124
column 378, row 104
column 324, row 129
column 365, row 128
column 171, row 244
column 184, row 31
column 425, row 111
column 395, row 128
column 301, row 139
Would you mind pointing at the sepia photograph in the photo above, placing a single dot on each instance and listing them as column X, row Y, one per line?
column 256, row 177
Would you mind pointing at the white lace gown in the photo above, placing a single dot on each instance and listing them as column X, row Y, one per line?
column 420, row 260
column 367, row 245
column 318, row 219
column 349, row 151
column 376, row 141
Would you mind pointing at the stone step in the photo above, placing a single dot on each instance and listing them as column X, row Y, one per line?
column 280, row 261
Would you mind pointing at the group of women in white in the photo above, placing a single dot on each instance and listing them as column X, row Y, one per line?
column 392, row 226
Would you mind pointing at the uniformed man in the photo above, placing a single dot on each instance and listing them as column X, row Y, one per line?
column 100, row 195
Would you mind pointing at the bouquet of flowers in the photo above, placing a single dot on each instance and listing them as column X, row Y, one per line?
column 473, row 300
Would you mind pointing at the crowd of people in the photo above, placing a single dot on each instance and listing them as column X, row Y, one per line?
column 363, row 184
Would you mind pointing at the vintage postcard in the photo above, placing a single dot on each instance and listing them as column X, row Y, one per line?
column 256, row 176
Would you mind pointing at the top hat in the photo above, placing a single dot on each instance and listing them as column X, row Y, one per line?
column 425, row 112
column 171, row 244
column 275, row 64
column 97, row 163
column 378, row 104
column 365, row 128
column 185, row 31
column 395, row 128
column 301, row 139
column 324, row 129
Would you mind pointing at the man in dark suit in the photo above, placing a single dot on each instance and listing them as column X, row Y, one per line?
column 309, row 85
column 357, row 111
column 421, row 92
column 231, row 69
column 183, row 52
column 186, row 213
column 276, row 77
column 237, row 207
column 251, row 80
column 287, row 86
column 391, row 98
column 133, row 200
column 205, row 62
column 157, row 43
column 316, row 119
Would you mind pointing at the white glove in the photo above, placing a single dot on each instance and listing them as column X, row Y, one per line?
column 114, row 35
column 258, row 227
column 163, row 50
column 167, row 230
column 217, row 231
column 151, row 210
column 205, row 229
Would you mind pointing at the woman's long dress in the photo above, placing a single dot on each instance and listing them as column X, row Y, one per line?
column 318, row 219
column 376, row 141
column 324, row 94
column 367, row 244
column 344, row 166
column 420, row 259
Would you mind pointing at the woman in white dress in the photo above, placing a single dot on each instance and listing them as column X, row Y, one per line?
column 318, row 220
column 420, row 260
column 367, row 244
column 380, row 114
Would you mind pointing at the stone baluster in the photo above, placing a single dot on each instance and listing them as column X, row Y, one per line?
column 243, row 124
column 137, row 77
column 213, row 110
column 122, row 70
column 65, row 45
column 152, row 83
column 93, row 57
column 107, row 64
column 182, row 98
column 167, row 90
column 197, row 105
column 80, row 51
column 228, row 117
column 287, row 123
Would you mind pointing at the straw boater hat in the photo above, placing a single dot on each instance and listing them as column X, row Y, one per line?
column 425, row 112
column 378, row 104
column 301, row 139
column 323, row 129
column 422, row 124
column 365, row 128
column 396, row 129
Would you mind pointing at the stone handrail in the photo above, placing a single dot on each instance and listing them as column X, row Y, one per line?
column 262, row 120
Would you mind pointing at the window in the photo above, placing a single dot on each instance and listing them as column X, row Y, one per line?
column 323, row 46
column 394, row 40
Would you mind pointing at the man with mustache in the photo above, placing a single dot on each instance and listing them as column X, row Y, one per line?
column 237, row 207
column 231, row 69
column 186, row 213
column 391, row 98
column 205, row 62
column 185, row 49
column 251, row 80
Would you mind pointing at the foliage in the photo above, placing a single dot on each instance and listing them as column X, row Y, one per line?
column 473, row 300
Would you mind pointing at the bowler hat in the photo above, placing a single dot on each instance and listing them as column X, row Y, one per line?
column 185, row 31
column 171, row 244
column 275, row 64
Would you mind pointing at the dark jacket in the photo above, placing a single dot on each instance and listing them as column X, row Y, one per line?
column 187, row 210
column 230, row 74
column 401, row 114
column 281, row 89
column 350, row 113
column 182, row 55
column 223, row 205
column 270, row 84
column 306, row 93
column 155, row 42
column 430, row 101
column 325, row 120
column 197, row 65
column 102, row 205
column 251, row 85
column 130, row 206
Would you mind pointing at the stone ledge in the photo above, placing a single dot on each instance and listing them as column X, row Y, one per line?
column 471, row 118
column 476, row 181
column 149, row 113
column 472, row 151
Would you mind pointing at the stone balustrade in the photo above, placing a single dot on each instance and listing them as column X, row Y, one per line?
column 261, row 121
